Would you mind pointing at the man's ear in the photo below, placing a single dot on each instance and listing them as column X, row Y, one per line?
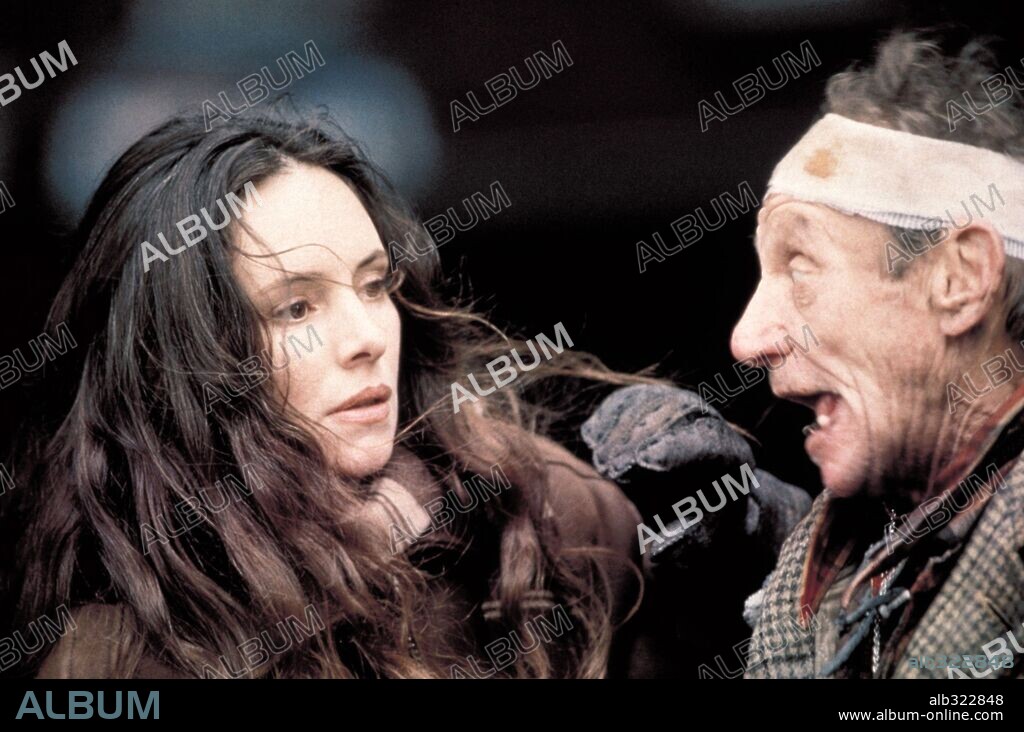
column 967, row 276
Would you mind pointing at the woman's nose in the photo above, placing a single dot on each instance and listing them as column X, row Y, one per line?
column 360, row 339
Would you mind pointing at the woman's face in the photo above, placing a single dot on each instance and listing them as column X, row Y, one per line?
column 317, row 271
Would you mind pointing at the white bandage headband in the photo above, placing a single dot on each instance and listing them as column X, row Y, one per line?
column 904, row 180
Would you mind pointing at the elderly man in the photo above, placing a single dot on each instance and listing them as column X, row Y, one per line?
column 895, row 230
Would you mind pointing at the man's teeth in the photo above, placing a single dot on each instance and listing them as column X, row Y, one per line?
column 820, row 422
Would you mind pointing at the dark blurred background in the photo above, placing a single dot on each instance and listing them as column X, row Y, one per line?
column 597, row 157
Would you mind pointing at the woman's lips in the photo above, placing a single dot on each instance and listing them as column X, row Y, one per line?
column 370, row 405
column 363, row 415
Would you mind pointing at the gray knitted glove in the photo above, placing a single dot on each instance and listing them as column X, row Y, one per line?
column 644, row 429
column 658, row 428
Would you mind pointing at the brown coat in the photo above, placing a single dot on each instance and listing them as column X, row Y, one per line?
column 589, row 510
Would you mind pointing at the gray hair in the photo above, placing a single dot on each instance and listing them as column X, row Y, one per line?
column 908, row 88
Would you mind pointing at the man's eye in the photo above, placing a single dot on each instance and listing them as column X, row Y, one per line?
column 293, row 311
column 799, row 268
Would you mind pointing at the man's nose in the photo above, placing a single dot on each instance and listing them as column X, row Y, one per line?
column 759, row 332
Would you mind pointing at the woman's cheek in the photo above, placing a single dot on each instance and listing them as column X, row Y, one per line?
column 395, row 330
column 296, row 382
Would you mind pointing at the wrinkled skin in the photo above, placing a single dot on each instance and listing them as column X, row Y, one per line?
column 886, row 347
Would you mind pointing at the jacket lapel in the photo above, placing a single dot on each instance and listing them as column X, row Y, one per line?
column 980, row 608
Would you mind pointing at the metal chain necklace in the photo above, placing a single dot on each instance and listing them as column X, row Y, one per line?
column 876, row 644
column 887, row 578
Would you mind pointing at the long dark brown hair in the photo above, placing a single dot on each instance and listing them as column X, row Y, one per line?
column 128, row 437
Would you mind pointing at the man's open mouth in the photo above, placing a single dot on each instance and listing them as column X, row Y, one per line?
column 827, row 407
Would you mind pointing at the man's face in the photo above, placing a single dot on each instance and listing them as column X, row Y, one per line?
column 875, row 378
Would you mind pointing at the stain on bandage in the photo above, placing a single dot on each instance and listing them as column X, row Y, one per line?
column 822, row 163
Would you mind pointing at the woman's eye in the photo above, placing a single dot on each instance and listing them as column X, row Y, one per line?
column 379, row 285
column 293, row 311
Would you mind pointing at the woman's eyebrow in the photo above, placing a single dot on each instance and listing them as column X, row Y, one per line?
column 292, row 279
column 317, row 275
column 371, row 259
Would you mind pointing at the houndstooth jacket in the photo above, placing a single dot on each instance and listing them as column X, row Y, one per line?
column 981, row 600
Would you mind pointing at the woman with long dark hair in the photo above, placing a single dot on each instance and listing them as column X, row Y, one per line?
column 257, row 433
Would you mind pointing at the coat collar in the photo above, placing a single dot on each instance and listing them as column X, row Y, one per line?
column 983, row 597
